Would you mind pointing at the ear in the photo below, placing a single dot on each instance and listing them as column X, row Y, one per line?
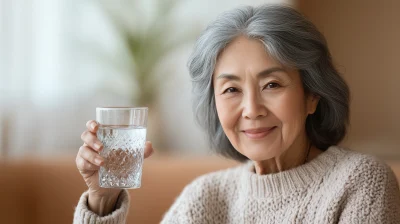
column 312, row 103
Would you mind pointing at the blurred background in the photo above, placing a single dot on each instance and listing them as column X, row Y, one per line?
column 59, row 59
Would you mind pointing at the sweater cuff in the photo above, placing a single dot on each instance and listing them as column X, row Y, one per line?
column 83, row 215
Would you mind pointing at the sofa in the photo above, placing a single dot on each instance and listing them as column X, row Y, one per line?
column 47, row 190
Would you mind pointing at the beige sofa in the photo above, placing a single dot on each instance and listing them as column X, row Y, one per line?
column 46, row 191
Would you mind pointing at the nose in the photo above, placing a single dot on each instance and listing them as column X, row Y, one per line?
column 253, row 106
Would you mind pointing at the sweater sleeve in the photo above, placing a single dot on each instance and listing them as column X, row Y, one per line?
column 83, row 215
column 374, row 195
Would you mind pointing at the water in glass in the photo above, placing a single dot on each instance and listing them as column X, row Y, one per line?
column 123, row 152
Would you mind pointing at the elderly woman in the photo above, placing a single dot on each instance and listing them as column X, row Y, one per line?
column 268, row 95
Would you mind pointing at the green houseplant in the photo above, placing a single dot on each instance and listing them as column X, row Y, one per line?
column 147, row 40
column 146, row 43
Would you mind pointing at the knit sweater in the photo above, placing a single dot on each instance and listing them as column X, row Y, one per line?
column 338, row 186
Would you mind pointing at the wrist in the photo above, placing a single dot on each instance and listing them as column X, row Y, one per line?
column 105, row 204
column 104, row 193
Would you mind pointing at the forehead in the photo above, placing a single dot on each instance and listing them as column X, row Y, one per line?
column 244, row 55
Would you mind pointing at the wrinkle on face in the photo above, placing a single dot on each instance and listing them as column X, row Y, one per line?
column 245, row 84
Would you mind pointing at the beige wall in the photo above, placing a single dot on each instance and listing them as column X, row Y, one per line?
column 364, row 39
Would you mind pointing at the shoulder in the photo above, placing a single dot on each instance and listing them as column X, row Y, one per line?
column 361, row 166
column 199, row 196
column 360, row 172
column 212, row 186
column 371, row 190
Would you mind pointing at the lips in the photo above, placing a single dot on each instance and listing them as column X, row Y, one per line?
column 258, row 133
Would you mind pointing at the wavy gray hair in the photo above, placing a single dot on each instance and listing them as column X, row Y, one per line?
column 292, row 40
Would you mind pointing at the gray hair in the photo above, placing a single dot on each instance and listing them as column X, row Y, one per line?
column 292, row 40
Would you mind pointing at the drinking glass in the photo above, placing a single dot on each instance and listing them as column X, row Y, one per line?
column 122, row 130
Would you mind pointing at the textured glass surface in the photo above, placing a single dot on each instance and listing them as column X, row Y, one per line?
column 123, row 152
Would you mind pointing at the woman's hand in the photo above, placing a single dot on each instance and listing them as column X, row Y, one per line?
column 88, row 162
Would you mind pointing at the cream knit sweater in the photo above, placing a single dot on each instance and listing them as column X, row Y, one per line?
column 338, row 186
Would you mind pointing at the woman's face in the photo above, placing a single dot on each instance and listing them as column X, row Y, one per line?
column 261, row 105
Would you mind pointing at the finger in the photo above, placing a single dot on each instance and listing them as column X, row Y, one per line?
column 91, row 156
column 92, row 126
column 148, row 149
column 84, row 165
column 91, row 140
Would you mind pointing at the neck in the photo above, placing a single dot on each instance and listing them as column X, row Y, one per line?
column 291, row 158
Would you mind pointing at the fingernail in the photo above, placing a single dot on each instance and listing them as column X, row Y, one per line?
column 97, row 145
column 93, row 125
column 98, row 161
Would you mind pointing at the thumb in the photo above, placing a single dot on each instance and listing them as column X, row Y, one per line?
column 148, row 149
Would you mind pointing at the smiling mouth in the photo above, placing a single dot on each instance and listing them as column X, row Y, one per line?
column 258, row 133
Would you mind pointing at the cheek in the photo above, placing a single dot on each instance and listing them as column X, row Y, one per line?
column 290, row 110
column 228, row 114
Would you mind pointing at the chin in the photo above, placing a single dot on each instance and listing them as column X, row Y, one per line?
column 259, row 153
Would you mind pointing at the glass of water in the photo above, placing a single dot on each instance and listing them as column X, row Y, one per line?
column 122, row 130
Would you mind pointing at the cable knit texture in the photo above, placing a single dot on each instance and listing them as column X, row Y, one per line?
column 338, row 186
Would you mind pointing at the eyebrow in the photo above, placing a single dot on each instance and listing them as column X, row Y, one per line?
column 262, row 74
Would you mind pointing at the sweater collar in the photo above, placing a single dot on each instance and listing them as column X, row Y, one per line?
column 288, row 181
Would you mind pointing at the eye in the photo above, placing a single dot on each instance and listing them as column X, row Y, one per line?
column 272, row 85
column 230, row 90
